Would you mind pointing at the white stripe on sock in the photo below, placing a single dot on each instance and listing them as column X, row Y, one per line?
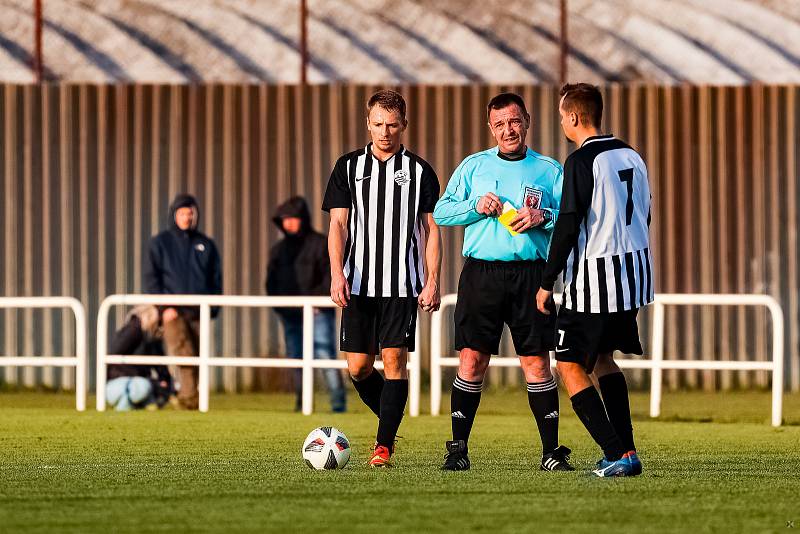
column 539, row 387
column 469, row 387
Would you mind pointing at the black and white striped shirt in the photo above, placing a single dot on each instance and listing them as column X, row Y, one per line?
column 385, row 249
column 604, row 238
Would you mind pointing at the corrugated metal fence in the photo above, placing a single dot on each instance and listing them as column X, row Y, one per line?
column 87, row 173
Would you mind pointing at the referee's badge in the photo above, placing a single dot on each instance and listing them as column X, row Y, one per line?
column 401, row 177
column 533, row 198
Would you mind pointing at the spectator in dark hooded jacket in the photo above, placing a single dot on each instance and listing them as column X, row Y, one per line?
column 182, row 260
column 299, row 265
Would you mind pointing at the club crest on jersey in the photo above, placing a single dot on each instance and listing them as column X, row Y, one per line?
column 533, row 198
column 401, row 177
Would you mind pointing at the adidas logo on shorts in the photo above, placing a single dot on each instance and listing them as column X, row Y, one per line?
column 552, row 415
column 458, row 415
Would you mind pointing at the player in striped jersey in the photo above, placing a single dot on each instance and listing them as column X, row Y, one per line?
column 602, row 237
column 385, row 254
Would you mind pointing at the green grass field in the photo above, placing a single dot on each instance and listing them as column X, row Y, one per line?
column 712, row 464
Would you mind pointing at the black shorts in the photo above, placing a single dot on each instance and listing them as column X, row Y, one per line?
column 491, row 293
column 373, row 323
column 581, row 337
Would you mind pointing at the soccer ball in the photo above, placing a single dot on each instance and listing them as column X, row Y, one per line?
column 326, row 448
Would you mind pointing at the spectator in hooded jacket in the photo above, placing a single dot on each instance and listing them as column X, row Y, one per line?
column 182, row 260
column 299, row 265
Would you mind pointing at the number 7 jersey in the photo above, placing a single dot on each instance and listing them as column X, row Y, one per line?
column 610, row 267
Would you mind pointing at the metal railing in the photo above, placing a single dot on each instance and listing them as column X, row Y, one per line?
column 78, row 361
column 205, row 360
column 657, row 363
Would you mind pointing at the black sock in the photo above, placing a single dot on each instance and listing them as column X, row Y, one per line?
column 615, row 397
column 592, row 413
column 297, row 377
column 543, row 400
column 370, row 390
column 393, row 402
column 464, row 401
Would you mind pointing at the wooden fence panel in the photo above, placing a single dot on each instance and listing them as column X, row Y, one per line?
column 88, row 172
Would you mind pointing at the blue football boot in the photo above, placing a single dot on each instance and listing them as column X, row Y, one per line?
column 627, row 466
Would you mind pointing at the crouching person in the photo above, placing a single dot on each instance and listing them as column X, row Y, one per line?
column 183, row 261
column 132, row 387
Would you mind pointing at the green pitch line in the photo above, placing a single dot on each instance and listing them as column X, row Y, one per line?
column 238, row 469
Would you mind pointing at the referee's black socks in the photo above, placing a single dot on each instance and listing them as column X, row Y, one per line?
column 393, row 402
column 543, row 400
column 615, row 397
column 590, row 410
column 464, row 401
column 370, row 390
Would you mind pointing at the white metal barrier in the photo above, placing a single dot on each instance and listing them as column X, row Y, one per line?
column 657, row 364
column 207, row 360
column 78, row 361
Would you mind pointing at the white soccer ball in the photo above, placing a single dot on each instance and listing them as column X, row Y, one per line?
column 326, row 448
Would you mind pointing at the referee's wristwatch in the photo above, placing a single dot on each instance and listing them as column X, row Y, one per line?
column 546, row 216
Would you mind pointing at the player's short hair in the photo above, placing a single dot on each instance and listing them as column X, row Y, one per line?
column 503, row 100
column 585, row 100
column 390, row 101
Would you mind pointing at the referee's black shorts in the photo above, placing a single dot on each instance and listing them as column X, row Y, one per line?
column 370, row 324
column 491, row 293
column 581, row 337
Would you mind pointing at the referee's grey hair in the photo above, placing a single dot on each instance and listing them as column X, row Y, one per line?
column 390, row 101
column 504, row 100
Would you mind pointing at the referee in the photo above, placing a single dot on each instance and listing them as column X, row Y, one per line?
column 385, row 253
column 502, row 272
column 603, row 238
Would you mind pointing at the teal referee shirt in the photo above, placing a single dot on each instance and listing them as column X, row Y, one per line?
column 534, row 181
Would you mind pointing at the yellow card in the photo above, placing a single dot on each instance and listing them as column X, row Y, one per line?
column 509, row 212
